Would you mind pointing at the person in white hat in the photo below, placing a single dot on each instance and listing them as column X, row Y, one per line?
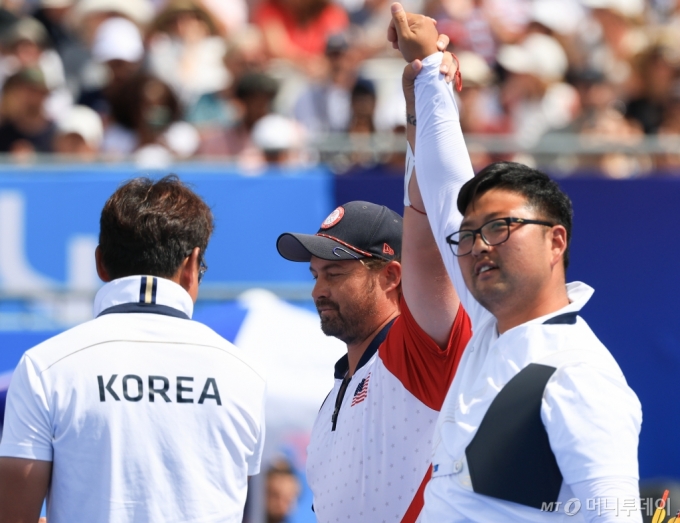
column 535, row 95
column 117, row 47
column 79, row 133
column 279, row 138
column 186, row 50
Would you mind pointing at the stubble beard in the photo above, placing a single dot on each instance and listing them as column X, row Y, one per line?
column 353, row 324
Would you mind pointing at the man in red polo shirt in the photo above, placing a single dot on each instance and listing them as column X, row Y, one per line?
column 393, row 304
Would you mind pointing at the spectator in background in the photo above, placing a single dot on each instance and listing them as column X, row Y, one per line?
column 86, row 17
column 480, row 112
column 670, row 126
column 52, row 14
column 613, row 37
column 362, row 106
column 79, row 134
column 186, row 50
column 255, row 93
column 361, row 125
column 146, row 120
column 117, row 45
column 596, row 93
column 26, row 44
column 245, row 53
column 89, row 14
column 282, row 491
column 535, row 97
column 297, row 30
column 611, row 127
column 280, row 139
column 25, row 128
column 233, row 15
column 481, row 26
column 657, row 68
column 325, row 105
column 55, row 15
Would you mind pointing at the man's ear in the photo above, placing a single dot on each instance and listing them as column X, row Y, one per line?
column 391, row 274
column 187, row 274
column 101, row 270
column 558, row 238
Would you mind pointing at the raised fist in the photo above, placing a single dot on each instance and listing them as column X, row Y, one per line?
column 414, row 35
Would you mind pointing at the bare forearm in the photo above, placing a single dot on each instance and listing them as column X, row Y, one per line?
column 23, row 487
column 428, row 291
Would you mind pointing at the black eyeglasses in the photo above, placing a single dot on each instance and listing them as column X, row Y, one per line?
column 493, row 232
column 202, row 267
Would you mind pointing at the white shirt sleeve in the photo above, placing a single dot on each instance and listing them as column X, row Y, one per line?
column 593, row 423
column 27, row 431
column 255, row 461
column 613, row 499
column 442, row 166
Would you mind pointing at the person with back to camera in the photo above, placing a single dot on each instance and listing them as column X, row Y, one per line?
column 539, row 423
column 141, row 414
column 390, row 300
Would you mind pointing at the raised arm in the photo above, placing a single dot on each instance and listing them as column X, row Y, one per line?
column 442, row 161
column 427, row 289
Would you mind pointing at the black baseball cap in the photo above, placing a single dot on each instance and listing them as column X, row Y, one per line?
column 353, row 231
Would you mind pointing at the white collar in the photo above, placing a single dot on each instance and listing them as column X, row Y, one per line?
column 145, row 290
column 578, row 293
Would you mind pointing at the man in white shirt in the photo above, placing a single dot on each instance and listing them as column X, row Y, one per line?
column 539, row 423
column 381, row 288
column 140, row 414
column 391, row 302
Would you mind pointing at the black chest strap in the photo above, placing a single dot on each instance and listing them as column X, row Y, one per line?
column 510, row 456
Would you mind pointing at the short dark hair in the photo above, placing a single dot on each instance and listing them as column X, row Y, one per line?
column 281, row 467
column 540, row 191
column 128, row 104
column 149, row 227
column 363, row 87
column 256, row 83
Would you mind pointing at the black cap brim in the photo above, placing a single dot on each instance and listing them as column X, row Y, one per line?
column 301, row 248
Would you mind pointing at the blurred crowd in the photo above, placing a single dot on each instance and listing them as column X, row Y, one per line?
column 256, row 81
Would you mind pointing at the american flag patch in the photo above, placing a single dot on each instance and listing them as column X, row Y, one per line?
column 362, row 391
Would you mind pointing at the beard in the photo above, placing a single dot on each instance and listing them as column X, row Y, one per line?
column 351, row 324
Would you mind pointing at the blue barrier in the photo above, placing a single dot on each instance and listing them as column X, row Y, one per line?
column 623, row 246
column 49, row 222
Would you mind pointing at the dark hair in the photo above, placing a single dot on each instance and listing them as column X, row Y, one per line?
column 281, row 467
column 145, row 104
column 149, row 227
column 255, row 83
column 540, row 191
column 363, row 87
column 377, row 264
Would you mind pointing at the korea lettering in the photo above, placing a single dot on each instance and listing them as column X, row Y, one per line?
column 131, row 387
